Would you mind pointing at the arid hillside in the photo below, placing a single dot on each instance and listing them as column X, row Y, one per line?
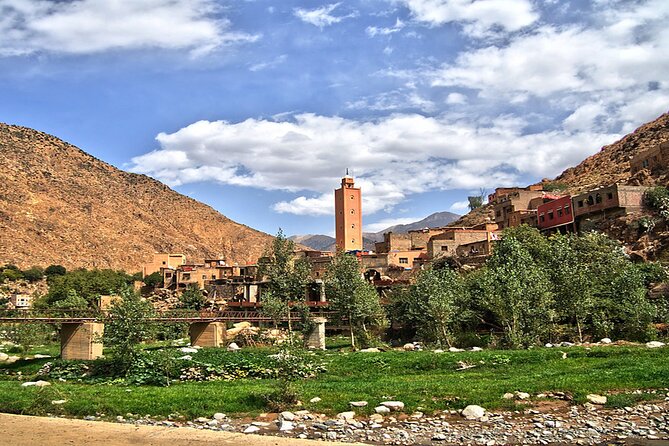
column 59, row 205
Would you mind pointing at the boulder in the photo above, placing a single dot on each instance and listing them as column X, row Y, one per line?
column 605, row 341
column 370, row 350
column 376, row 418
column 596, row 399
column 455, row 350
column 508, row 396
column 233, row 347
column 358, row 403
column 218, row 416
column 315, row 400
column 522, row 395
column 3, row 356
column 381, row 409
column 251, row 430
column 409, row 347
column 186, row 358
column 38, row 356
column 655, row 344
column 473, row 412
column 477, row 349
column 288, row 416
column 393, row 405
column 58, row 402
column 346, row 415
column 286, row 425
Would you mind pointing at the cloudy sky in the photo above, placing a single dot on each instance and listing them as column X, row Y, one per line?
column 258, row 107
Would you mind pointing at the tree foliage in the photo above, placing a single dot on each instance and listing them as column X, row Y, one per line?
column 88, row 284
column 192, row 298
column 153, row 280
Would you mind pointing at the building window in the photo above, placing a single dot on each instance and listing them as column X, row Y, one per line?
column 444, row 248
column 609, row 196
column 559, row 212
column 598, row 198
column 580, row 203
column 168, row 275
column 591, row 200
column 352, row 197
column 542, row 218
column 213, row 277
column 352, row 211
column 567, row 210
column 186, row 276
column 353, row 226
column 498, row 213
column 550, row 215
column 644, row 163
column 404, row 260
column 352, row 240
column 163, row 262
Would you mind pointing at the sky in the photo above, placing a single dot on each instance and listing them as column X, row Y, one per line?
column 257, row 107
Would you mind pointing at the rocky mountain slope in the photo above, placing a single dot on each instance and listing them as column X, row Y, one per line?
column 59, row 205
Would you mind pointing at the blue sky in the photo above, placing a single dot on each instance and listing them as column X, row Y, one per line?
column 258, row 107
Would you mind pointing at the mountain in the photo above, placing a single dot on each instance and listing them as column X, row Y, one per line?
column 60, row 205
column 327, row 243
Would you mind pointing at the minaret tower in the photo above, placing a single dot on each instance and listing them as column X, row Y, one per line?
column 348, row 215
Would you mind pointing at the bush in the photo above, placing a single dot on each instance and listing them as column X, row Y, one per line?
column 33, row 274
column 153, row 280
column 192, row 299
column 657, row 198
column 55, row 270
column 88, row 284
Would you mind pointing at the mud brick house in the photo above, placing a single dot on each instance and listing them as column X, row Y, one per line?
column 607, row 201
column 163, row 260
column 556, row 215
column 446, row 244
column 654, row 159
column 512, row 205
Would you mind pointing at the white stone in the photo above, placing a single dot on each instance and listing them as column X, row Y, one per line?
column 409, row 347
column 605, row 341
column 186, row 357
column 655, row 344
column 477, row 349
column 233, row 347
column 3, row 356
column 346, row 415
column 28, row 384
column 251, row 430
column 288, row 416
column 219, row 416
column 455, row 350
column 370, row 350
column 438, row 351
column 42, row 384
column 188, row 350
column 315, row 400
column 58, row 402
column 381, row 409
column 376, row 418
column 358, row 403
column 286, row 425
column 12, row 359
column 522, row 395
column 596, row 399
column 508, row 396
column 393, row 405
column 38, row 356
column 473, row 412
column 260, row 423
column 548, row 345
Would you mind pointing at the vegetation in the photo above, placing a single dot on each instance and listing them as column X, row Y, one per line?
column 88, row 284
column 55, row 270
column 192, row 298
column 153, row 280
column 354, row 299
column 657, row 198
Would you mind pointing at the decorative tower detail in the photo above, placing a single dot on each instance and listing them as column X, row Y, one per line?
column 348, row 215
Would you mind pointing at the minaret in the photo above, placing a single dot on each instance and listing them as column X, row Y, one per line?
column 348, row 215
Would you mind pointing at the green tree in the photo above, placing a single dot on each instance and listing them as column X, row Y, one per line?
column 193, row 299
column 127, row 326
column 353, row 298
column 55, row 270
column 274, row 307
column 33, row 274
column 153, row 280
column 90, row 285
column 73, row 301
column 287, row 275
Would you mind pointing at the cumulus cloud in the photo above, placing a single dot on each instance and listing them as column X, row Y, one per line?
column 321, row 17
column 479, row 17
column 393, row 157
column 93, row 26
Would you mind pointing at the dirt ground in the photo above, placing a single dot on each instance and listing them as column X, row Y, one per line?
column 18, row 430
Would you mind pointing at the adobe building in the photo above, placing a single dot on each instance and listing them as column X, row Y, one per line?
column 447, row 243
column 654, row 159
column 556, row 215
column 348, row 216
column 611, row 200
column 163, row 260
column 393, row 241
column 20, row 301
column 514, row 206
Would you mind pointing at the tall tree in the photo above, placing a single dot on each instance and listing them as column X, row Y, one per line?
column 352, row 297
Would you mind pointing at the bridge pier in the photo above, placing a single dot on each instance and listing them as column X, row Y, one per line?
column 81, row 340
column 316, row 339
column 207, row 334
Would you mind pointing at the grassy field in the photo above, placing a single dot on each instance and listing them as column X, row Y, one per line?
column 424, row 381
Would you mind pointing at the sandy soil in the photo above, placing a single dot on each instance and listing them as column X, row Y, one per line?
column 18, row 430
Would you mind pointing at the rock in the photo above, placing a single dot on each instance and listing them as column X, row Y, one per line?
column 522, row 395
column 455, row 350
column 288, row 416
column 381, row 409
column 188, row 350
column 548, row 345
column 315, row 400
column 477, row 349
column 358, row 403
column 438, row 351
column 567, row 344
column 605, row 341
column 212, row 423
column 508, row 396
column 655, row 344
column 58, row 402
column 376, row 418
column 473, row 412
column 3, row 356
column 12, row 359
column 260, row 423
column 346, row 415
column 233, row 347
column 251, row 429
column 218, row 416
column 38, row 356
column 186, row 357
column 439, row 437
column 286, row 425
column 596, row 399
column 393, row 405
column 370, row 350
column 409, row 347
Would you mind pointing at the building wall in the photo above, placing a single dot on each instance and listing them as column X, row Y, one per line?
column 404, row 259
column 421, row 237
column 507, row 204
column 652, row 159
column 348, row 216
column 555, row 213
column 474, row 249
column 446, row 244
column 393, row 242
column 163, row 260
column 629, row 198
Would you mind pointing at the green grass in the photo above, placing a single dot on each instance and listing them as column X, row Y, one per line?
column 423, row 380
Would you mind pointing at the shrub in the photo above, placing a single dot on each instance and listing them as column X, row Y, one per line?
column 55, row 270
column 192, row 299
column 657, row 198
column 153, row 280
column 33, row 274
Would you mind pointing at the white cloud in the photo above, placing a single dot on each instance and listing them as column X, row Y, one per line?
column 321, row 17
column 388, row 222
column 480, row 17
column 393, row 157
column 456, row 99
column 269, row 64
column 93, row 26
column 373, row 31
column 460, row 206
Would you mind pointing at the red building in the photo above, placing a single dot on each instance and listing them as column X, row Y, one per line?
column 556, row 214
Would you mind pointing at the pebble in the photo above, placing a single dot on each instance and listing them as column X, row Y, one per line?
column 315, row 400
column 358, row 403
column 392, row 405
column 251, row 429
